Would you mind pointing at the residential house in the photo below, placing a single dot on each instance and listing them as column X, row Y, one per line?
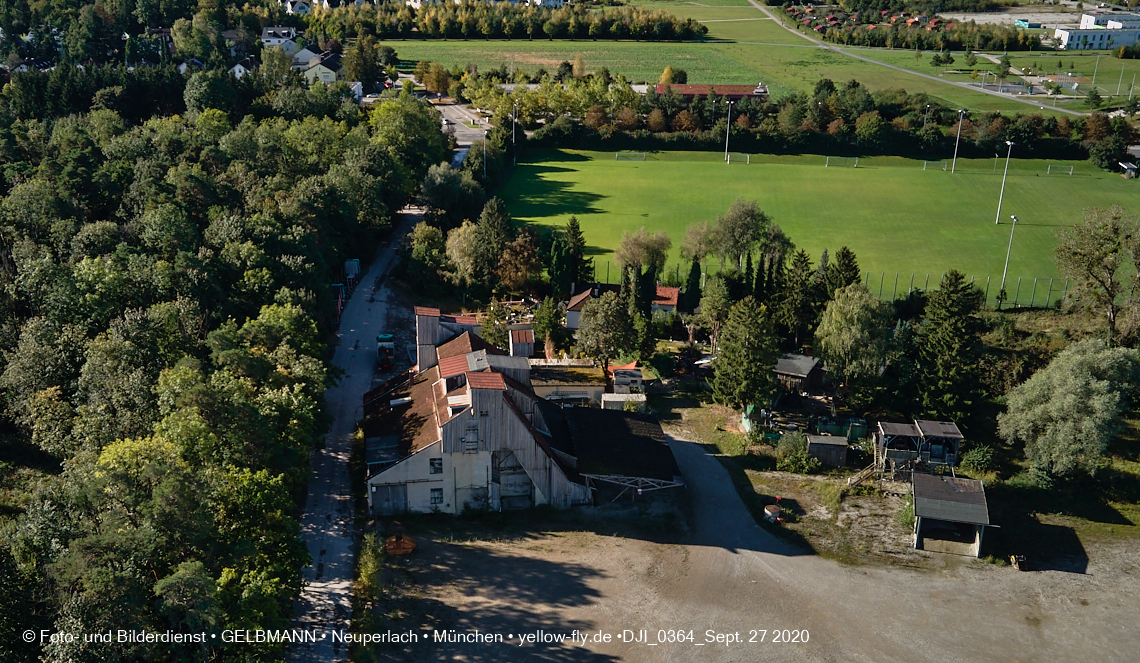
column 304, row 55
column 325, row 68
column 665, row 299
column 579, row 301
column 191, row 65
column 282, row 37
column 300, row 7
column 244, row 67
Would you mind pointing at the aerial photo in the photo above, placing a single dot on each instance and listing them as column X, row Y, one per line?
column 601, row 331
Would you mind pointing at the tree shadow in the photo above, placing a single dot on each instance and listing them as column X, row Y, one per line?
column 502, row 594
column 540, row 197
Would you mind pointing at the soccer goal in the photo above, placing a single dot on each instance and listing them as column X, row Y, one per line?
column 935, row 165
column 1058, row 169
column 630, row 156
column 844, row 162
column 735, row 157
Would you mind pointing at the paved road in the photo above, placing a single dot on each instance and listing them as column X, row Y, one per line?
column 849, row 54
column 327, row 526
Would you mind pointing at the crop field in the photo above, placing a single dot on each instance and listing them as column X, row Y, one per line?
column 896, row 216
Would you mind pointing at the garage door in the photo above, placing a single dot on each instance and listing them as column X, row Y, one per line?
column 389, row 500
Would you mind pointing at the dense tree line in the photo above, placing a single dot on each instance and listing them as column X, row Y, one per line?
column 476, row 19
column 844, row 119
column 862, row 23
column 166, row 293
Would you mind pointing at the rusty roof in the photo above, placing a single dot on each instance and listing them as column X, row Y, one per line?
column 415, row 423
column 666, row 296
column 486, row 380
column 463, row 344
column 459, row 319
column 579, row 300
column 428, row 311
column 452, row 366
column 522, row 335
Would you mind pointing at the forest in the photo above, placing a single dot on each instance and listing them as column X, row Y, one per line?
column 164, row 325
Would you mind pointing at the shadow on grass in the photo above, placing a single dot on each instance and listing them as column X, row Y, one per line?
column 539, row 197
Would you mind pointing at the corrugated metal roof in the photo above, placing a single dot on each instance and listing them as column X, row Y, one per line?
column 947, row 429
column 949, row 498
column 894, row 429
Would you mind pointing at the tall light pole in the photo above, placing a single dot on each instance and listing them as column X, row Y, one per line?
column 514, row 116
column 961, row 113
column 997, row 219
column 485, row 156
column 927, row 115
column 727, row 129
column 1001, row 292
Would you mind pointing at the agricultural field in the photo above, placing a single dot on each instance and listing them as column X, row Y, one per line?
column 895, row 215
column 744, row 46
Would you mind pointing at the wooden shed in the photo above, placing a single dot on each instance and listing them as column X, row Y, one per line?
column 950, row 514
column 797, row 371
column 830, row 450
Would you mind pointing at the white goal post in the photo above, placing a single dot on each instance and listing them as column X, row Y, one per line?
column 746, row 159
column 851, row 162
column 934, row 165
column 1058, row 169
column 630, row 156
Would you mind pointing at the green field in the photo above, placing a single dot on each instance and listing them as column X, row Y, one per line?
column 751, row 51
column 893, row 214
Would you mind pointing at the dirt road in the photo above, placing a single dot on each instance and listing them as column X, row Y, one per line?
column 735, row 578
column 326, row 525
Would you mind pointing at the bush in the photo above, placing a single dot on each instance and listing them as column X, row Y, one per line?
column 792, row 455
column 905, row 517
column 978, row 460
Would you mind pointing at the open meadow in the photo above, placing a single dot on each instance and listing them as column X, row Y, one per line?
column 896, row 216
column 744, row 46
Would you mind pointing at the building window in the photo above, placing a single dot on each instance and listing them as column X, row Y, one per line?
column 437, row 496
column 435, row 466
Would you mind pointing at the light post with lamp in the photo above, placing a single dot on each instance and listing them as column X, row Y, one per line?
column 926, row 116
column 961, row 116
column 727, row 128
column 485, row 132
column 997, row 219
column 1001, row 293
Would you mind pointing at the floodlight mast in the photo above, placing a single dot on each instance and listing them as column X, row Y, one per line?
column 1007, row 252
column 997, row 219
column 961, row 114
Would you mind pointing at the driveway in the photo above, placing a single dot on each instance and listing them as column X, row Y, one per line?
column 326, row 526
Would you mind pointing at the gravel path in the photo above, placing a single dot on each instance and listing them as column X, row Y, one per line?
column 326, row 601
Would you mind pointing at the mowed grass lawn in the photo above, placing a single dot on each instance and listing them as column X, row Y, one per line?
column 893, row 214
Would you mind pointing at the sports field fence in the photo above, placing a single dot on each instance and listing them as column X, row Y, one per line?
column 1041, row 292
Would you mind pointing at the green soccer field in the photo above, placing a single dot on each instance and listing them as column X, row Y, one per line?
column 896, row 216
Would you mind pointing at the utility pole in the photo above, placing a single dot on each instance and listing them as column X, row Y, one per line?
column 953, row 166
column 997, row 219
